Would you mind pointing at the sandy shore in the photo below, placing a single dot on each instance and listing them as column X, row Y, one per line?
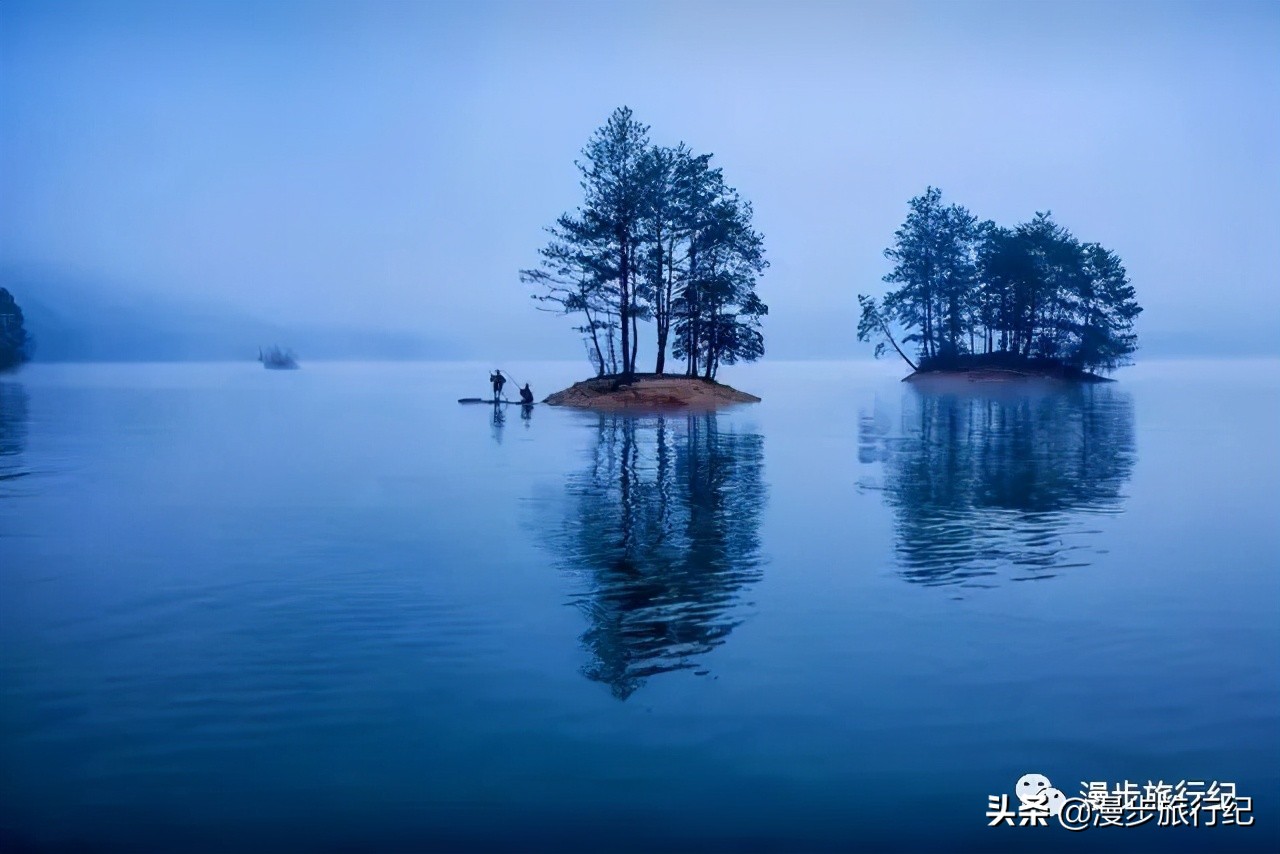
column 650, row 392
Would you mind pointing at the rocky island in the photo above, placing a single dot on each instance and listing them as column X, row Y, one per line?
column 649, row 392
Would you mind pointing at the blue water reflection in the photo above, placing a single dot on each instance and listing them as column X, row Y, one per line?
column 13, row 429
column 325, row 610
column 662, row 537
column 1001, row 484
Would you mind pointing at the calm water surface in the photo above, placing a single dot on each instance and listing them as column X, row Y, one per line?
column 334, row 610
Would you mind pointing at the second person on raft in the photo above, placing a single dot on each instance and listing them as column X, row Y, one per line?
column 526, row 396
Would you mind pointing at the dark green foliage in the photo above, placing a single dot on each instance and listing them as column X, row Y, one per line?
column 588, row 267
column 659, row 238
column 14, row 342
column 1034, row 293
column 717, row 310
column 934, row 265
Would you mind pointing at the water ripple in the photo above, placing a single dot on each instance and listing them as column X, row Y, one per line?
column 662, row 538
column 1001, row 485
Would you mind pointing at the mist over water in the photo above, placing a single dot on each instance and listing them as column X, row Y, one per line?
column 365, row 179
column 333, row 609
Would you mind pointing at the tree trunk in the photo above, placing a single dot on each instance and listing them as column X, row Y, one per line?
column 927, row 297
column 613, row 351
column 693, row 346
column 635, row 320
column 713, row 344
column 884, row 327
column 665, row 289
column 595, row 341
column 624, row 308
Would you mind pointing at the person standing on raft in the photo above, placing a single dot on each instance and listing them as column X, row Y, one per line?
column 526, row 396
column 498, row 381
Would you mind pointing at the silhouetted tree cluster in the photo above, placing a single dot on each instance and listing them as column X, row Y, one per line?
column 658, row 238
column 14, row 342
column 966, row 288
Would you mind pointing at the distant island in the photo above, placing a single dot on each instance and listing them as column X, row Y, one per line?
column 276, row 359
column 659, row 237
column 984, row 302
column 15, row 344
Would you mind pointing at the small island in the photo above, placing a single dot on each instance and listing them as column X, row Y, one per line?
column 650, row 392
column 15, row 343
column 1000, row 367
column 983, row 303
column 659, row 238
column 276, row 359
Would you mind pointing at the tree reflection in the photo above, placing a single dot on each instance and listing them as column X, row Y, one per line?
column 13, row 429
column 663, row 531
column 1007, row 482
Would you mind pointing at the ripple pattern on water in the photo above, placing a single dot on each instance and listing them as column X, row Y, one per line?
column 1011, row 485
column 662, row 535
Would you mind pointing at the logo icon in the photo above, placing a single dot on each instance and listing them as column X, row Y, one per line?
column 1035, row 792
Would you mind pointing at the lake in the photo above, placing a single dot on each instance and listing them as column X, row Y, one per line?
column 335, row 610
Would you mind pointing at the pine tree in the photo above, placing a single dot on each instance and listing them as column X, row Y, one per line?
column 659, row 237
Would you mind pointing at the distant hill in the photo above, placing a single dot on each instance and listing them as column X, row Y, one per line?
column 79, row 321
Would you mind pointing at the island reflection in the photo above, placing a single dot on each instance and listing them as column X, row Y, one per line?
column 13, row 429
column 663, row 534
column 1001, row 484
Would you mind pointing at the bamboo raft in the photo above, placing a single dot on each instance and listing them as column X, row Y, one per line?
column 500, row 401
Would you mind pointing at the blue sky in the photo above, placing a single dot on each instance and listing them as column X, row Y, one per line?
column 392, row 165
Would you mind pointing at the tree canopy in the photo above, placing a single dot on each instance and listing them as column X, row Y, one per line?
column 966, row 288
column 659, row 238
column 14, row 341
